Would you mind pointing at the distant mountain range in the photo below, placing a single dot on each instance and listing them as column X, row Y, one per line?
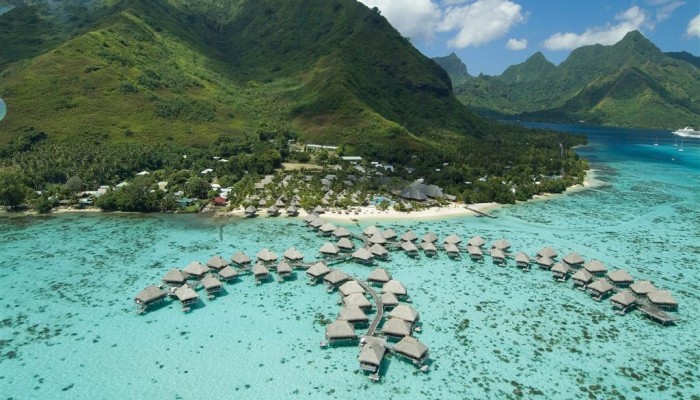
column 631, row 83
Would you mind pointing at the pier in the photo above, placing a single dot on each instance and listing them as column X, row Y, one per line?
column 380, row 307
column 481, row 213
column 657, row 315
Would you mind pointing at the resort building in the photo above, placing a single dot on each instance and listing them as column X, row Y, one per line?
column 149, row 296
column 409, row 236
column 560, row 271
column 623, row 301
column 620, row 278
column 379, row 276
column 357, row 299
column 600, row 288
column 260, row 273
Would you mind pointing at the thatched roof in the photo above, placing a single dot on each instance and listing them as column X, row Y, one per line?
column 150, row 294
column 292, row 209
column 175, row 276
column 545, row 261
column 356, row 299
column 240, row 258
column 620, row 276
column 430, row 237
column 601, row 286
column 409, row 247
column 352, row 314
column 501, row 244
column 395, row 287
column 196, row 268
column 404, row 312
column 217, row 263
column 340, row 330
column 453, row 239
column 210, row 282
column 397, row 327
column 310, row 217
column 582, row 275
column 370, row 230
column 475, row 251
column 411, row 347
column 624, row 298
column 547, row 252
column 372, row 354
column 319, row 210
column 413, row 193
column 228, row 273
column 329, row 248
column 350, row 287
column 327, row 227
column 362, row 254
column 561, row 268
column 251, row 209
column 497, row 253
column 378, row 250
column 273, row 209
column 662, row 297
column 642, row 287
column 476, row 241
column 522, row 258
column 342, row 232
column 318, row 270
column 451, row 248
column 293, row 254
column 379, row 275
column 316, row 223
column 284, row 268
column 389, row 299
column 186, row 293
column 573, row 259
column 266, row 255
column 595, row 267
column 345, row 243
column 377, row 238
column 428, row 246
column 389, row 234
column 336, row 277
column 260, row 270
column 409, row 236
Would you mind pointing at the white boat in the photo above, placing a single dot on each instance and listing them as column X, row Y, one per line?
column 687, row 132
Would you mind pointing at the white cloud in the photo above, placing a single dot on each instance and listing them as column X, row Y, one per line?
column 666, row 9
column 694, row 27
column 516, row 44
column 631, row 19
column 470, row 22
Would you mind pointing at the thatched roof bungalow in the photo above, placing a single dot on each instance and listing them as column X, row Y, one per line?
column 211, row 285
column 389, row 300
column 241, row 259
column 266, row 256
column 395, row 287
column 340, row 331
column 371, row 355
column 378, row 251
column 663, row 299
column 345, row 244
column 573, row 259
column 379, row 276
column 600, row 288
column 412, row 349
column 228, row 273
column 217, row 263
column 317, row 271
column 621, row 278
column 370, row 230
column 389, row 234
column 354, row 315
column 362, row 255
column 327, row 228
column 475, row 252
column 476, row 241
column 357, row 299
column 260, row 272
column 595, row 267
column 409, row 248
column 522, row 260
column 336, row 277
column 430, row 237
column 453, row 239
column 342, row 232
column 642, row 288
column 501, row 244
column 560, row 271
column 351, row 287
column 581, row 278
column 623, row 300
column 397, row 328
column 545, row 262
column 175, row 277
column 452, row 250
column 186, row 295
column 292, row 254
column 429, row 248
column 250, row 211
column 195, row 268
column 547, row 251
column 406, row 313
column 409, row 236
column 497, row 256
column 149, row 296
column 329, row 249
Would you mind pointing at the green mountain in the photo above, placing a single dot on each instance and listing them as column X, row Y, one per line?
column 455, row 68
column 631, row 83
column 177, row 71
column 685, row 56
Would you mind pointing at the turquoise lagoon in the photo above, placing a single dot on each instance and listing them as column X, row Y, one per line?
column 69, row 328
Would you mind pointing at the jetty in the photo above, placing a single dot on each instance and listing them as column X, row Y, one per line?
column 481, row 213
column 657, row 315
column 380, row 308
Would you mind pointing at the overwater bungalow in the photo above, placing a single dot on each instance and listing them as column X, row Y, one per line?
column 430, row 237
column 406, row 313
column 396, row 328
column 317, row 223
column 642, row 288
column 623, row 301
column 389, row 300
column 345, row 244
column 319, row 210
column 547, row 252
column 573, row 259
column 175, row 277
column 620, row 278
column 317, row 271
column 357, row 299
column 327, row 228
column 329, row 250
column 409, row 236
column 211, row 285
column 581, row 278
column 250, row 211
column 379, row 276
column 273, row 211
column 600, row 288
column 378, row 251
column 497, row 256
column 476, row 241
column 453, row 239
column 340, row 331
column 342, row 232
column 452, row 250
column 370, row 230
column 149, row 296
column 560, row 271
column 545, row 262
column 335, row 278
column 292, row 211
column 663, row 299
column 362, row 255
column 187, row 296
column 522, row 261
column 284, row 270
column 196, row 269
column 227, row 274
column 501, row 244
column 217, row 263
column 260, row 272
column 293, row 255
column 310, row 218
column 595, row 267
column 429, row 248
column 475, row 253
column 377, row 238
column 395, row 287
column 353, row 315
column 390, row 234
column 412, row 349
column 240, row 259
column 371, row 356
column 351, row 287
column 266, row 256
column 409, row 248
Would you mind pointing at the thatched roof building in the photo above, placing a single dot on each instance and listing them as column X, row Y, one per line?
column 623, row 299
column 522, row 260
column 409, row 236
column 266, row 255
column 340, row 330
column 573, row 259
column 329, row 249
column 429, row 248
column 595, row 267
column 345, row 244
column 451, row 249
column 547, row 251
column 353, row 314
column 501, row 244
column 175, row 277
column 600, row 288
column 283, row 268
column 476, row 241
column 342, row 232
column 453, row 239
column 430, row 237
column 378, row 250
column 379, row 275
column 318, row 271
column 363, row 255
column 292, row 254
column 475, row 252
column 357, row 299
column 545, row 262
column 663, row 298
column 409, row 248
column 351, row 287
column 497, row 256
column 581, row 277
column 642, row 288
column 406, row 313
column 620, row 277
column 260, row 271
column 397, row 327
column 186, row 295
column 228, row 273
column 211, row 284
column 250, row 211
column 195, row 268
column 395, row 287
column 336, row 277
column 412, row 349
column 389, row 234
column 371, row 355
column 560, row 271
column 150, row 295
column 240, row 258
column 217, row 263
column 370, row 230
column 389, row 300
column 327, row 228
column 377, row 238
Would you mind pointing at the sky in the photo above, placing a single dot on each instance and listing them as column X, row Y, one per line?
column 490, row 35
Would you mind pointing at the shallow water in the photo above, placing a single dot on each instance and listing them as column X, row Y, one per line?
column 69, row 329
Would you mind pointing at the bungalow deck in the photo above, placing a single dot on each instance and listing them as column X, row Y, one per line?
column 657, row 315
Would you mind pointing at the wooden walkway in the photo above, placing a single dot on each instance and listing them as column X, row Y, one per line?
column 380, row 307
column 483, row 214
column 658, row 315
